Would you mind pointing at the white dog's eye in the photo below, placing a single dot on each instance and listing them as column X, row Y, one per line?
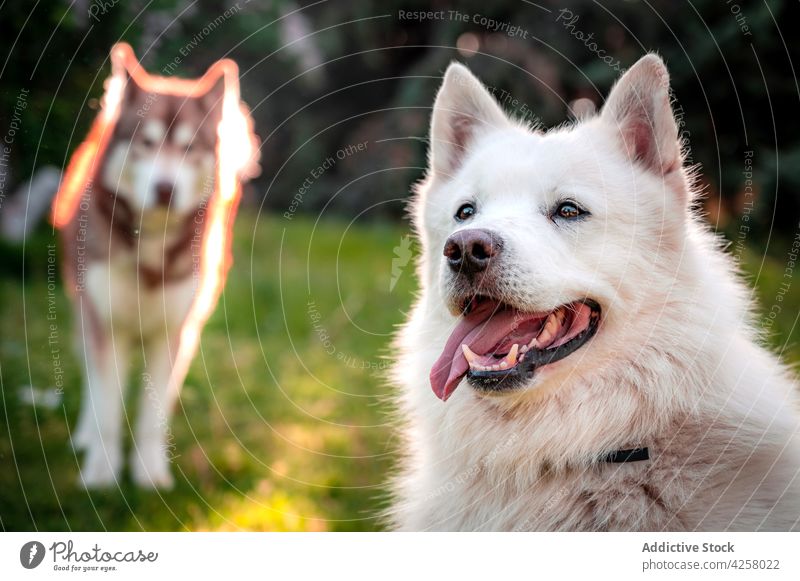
column 465, row 212
column 568, row 211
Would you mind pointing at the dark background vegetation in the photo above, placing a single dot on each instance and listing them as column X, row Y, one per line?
column 336, row 72
column 264, row 443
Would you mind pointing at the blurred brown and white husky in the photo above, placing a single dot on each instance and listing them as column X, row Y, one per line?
column 133, row 239
column 592, row 353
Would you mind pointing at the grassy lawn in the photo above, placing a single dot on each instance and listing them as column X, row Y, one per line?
column 282, row 424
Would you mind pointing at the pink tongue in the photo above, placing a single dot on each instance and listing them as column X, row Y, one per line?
column 480, row 330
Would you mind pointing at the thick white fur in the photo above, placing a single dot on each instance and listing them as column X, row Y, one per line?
column 676, row 364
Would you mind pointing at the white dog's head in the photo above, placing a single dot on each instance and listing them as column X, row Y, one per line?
column 540, row 249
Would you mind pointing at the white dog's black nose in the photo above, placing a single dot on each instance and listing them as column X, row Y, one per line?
column 471, row 251
column 164, row 193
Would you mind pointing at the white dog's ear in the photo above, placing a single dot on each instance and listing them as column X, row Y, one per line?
column 639, row 108
column 463, row 109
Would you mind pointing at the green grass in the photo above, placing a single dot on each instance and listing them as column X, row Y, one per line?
column 283, row 422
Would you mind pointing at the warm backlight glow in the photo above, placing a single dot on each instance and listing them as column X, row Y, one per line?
column 237, row 160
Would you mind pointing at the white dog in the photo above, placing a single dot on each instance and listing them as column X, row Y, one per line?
column 591, row 350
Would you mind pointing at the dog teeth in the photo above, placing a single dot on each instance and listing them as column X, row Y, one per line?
column 468, row 353
column 471, row 358
column 510, row 360
column 547, row 331
column 551, row 327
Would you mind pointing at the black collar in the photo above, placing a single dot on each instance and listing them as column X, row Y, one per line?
column 632, row 455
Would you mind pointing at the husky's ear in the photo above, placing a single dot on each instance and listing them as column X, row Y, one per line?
column 132, row 89
column 123, row 61
column 212, row 99
column 639, row 107
column 463, row 110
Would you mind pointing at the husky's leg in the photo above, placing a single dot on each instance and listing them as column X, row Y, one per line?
column 100, row 428
column 81, row 435
column 154, row 446
column 82, row 332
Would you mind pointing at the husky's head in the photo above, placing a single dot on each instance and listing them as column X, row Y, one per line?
column 540, row 249
column 162, row 153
